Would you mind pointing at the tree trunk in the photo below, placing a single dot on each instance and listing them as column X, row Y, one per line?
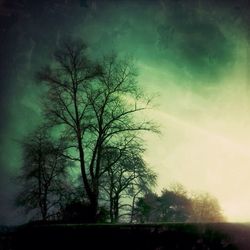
column 133, row 206
column 44, row 211
column 94, row 209
column 91, row 194
column 116, row 209
column 111, row 204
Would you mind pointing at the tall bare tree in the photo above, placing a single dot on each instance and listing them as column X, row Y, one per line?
column 94, row 105
column 43, row 173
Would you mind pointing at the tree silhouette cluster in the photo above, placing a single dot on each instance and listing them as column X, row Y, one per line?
column 84, row 163
column 95, row 109
column 176, row 205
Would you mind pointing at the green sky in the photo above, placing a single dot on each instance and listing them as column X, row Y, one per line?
column 193, row 55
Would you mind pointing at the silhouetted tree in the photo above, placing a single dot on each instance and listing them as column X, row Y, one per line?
column 146, row 208
column 140, row 187
column 126, row 176
column 43, row 173
column 93, row 104
column 206, row 208
column 175, row 205
column 169, row 207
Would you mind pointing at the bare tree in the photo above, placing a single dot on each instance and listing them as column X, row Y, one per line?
column 43, row 173
column 126, row 176
column 140, row 187
column 94, row 105
column 206, row 208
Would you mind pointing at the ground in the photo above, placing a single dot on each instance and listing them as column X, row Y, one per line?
column 128, row 236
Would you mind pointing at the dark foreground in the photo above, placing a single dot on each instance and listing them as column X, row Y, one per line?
column 143, row 236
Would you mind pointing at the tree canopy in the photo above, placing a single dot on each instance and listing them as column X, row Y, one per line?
column 97, row 107
column 43, row 173
column 176, row 205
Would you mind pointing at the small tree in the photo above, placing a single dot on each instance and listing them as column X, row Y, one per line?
column 126, row 176
column 43, row 173
column 146, row 208
column 206, row 208
column 174, row 207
